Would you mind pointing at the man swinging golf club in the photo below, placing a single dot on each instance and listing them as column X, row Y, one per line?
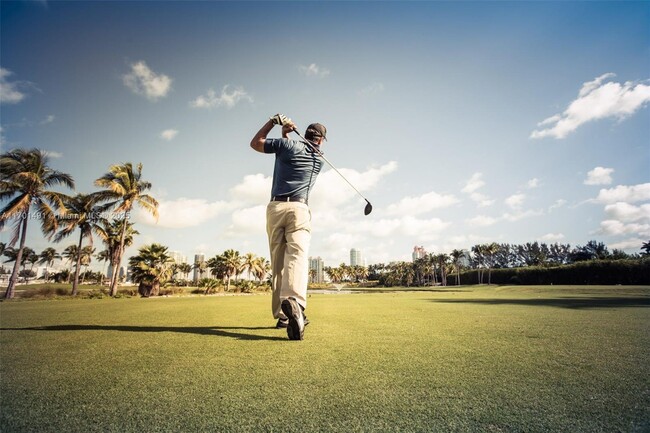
column 288, row 219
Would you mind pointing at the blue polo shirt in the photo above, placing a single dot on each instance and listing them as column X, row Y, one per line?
column 296, row 167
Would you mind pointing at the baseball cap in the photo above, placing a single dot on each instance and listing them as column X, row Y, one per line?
column 316, row 130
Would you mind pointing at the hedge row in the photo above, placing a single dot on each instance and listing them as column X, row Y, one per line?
column 595, row 272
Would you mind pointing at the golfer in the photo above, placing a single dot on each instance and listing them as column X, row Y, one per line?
column 288, row 219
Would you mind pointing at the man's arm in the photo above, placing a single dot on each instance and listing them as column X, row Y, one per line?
column 257, row 142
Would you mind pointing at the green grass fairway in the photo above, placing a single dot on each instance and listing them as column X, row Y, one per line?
column 529, row 359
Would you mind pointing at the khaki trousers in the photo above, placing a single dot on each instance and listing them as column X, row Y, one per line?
column 288, row 225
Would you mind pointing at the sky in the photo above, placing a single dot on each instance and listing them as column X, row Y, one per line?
column 461, row 122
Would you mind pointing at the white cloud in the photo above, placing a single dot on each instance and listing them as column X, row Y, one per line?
column 184, row 212
column 372, row 89
column 169, row 134
column 475, row 182
column 599, row 176
column 481, row 221
column 9, row 92
column 558, row 204
column 624, row 193
column 247, row 221
column 596, row 100
column 313, row 70
column 227, row 98
column 631, row 244
column 626, row 212
column 533, row 183
column 424, row 229
column 421, row 204
column 332, row 191
column 48, row 119
column 143, row 81
column 552, row 237
column 254, row 188
column 515, row 201
column 472, row 185
column 618, row 228
column 519, row 214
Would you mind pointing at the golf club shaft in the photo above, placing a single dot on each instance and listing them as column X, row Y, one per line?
column 327, row 161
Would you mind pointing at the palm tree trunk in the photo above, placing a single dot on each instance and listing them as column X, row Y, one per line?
column 14, row 275
column 116, row 268
column 75, row 282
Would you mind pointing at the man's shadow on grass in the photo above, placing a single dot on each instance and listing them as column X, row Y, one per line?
column 568, row 302
column 218, row 331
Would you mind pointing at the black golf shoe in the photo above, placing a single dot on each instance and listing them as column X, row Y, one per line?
column 283, row 323
column 296, row 327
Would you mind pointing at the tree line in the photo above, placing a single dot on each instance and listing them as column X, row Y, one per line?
column 27, row 183
column 444, row 269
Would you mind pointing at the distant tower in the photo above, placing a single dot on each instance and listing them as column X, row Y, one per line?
column 198, row 259
column 418, row 253
column 316, row 264
column 356, row 258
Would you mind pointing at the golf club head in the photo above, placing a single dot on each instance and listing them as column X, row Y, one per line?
column 368, row 208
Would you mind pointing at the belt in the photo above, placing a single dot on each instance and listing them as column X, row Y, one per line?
column 285, row 198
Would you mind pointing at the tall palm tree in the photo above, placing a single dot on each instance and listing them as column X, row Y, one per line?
column 443, row 261
column 151, row 268
column 262, row 268
column 84, row 213
column 105, row 257
column 185, row 269
column 47, row 258
column 111, row 233
column 25, row 181
column 70, row 254
column 248, row 263
column 232, row 263
column 86, row 257
column 489, row 250
column 456, row 256
column 124, row 189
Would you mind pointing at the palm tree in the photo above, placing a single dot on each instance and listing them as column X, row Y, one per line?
column 103, row 256
column 70, row 254
column 84, row 213
column 25, row 181
column 124, row 189
column 262, row 268
column 232, row 263
column 201, row 267
column 86, row 257
column 248, row 263
column 646, row 248
column 32, row 259
column 185, row 269
column 47, row 258
column 456, row 255
column 151, row 268
column 111, row 233
column 489, row 250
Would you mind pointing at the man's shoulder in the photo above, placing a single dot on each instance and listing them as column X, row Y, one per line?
column 275, row 145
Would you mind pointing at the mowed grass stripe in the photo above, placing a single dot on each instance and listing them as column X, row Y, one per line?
column 467, row 359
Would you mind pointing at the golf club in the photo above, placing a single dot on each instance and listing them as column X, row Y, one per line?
column 368, row 207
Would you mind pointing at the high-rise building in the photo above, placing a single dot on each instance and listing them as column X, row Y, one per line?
column 418, row 253
column 316, row 266
column 199, row 260
column 356, row 258
column 177, row 257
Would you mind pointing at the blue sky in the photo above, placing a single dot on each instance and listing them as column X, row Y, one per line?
column 461, row 122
